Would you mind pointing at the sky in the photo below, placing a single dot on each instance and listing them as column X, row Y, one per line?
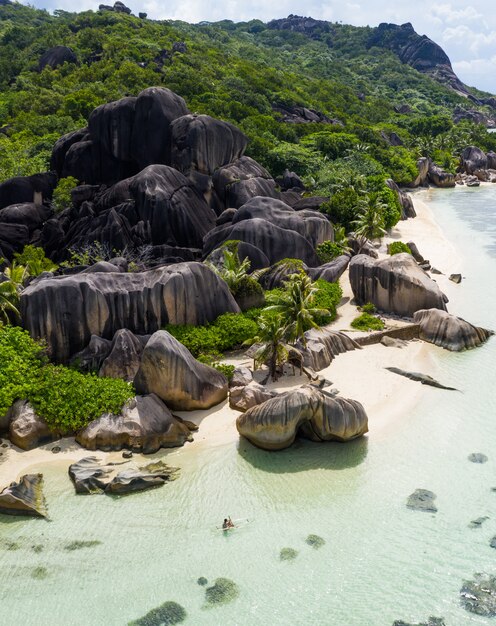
column 467, row 32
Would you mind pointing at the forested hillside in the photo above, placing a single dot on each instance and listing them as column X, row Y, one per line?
column 365, row 110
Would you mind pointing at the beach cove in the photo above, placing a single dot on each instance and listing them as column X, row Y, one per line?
column 380, row 561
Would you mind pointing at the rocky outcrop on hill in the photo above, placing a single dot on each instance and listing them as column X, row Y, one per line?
column 309, row 412
column 242, row 180
column 419, row 52
column 144, row 425
column 170, row 371
column 302, row 115
column 448, row 331
column 67, row 310
column 24, row 497
column 58, row 55
column 299, row 24
column 395, row 285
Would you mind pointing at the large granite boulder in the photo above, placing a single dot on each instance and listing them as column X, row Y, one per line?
column 395, row 285
column 322, row 345
column 439, row 178
column 423, row 171
column 58, row 55
column 27, row 430
column 203, row 144
column 166, row 202
column 112, row 125
column 145, row 425
column 27, row 213
column 90, row 359
column 24, row 497
column 332, row 271
column 170, row 371
column 407, row 208
column 314, row 226
column 242, row 180
column 13, row 238
column 448, row 331
column 67, row 310
column 273, row 241
column 123, row 360
column 21, row 189
column 310, row 412
column 244, row 397
column 473, row 159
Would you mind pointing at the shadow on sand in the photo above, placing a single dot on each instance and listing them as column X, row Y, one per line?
column 306, row 455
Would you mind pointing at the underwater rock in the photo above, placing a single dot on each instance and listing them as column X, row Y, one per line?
column 288, row 554
column 479, row 595
column 420, row 378
column 80, row 545
column 477, row 457
column 315, row 541
column 24, row 497
column 422, row 500
column 222, row 592
column 492, row 543
column 39, row 573
column 202, row 581
column 477, row 523
column 166, row 614
column 432, row 621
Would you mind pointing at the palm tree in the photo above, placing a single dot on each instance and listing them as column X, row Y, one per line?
column 296, row 305
column 233, row 271
column 341, row 238
column 10, row 290
column 370, row 222
column 271, row 345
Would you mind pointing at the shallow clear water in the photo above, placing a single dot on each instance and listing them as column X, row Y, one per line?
column 380, row 562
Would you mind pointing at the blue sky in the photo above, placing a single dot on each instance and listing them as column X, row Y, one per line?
column 467, row 32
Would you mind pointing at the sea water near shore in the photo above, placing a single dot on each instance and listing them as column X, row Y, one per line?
column 380, row 562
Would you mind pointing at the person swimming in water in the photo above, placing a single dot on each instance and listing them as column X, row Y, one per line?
column 228, row 523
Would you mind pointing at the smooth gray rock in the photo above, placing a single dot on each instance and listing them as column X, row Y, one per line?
column 322, row 345
column 28, row 430
column 241, row 377
column 456, row 278
column 24, row 497
column 170, row 371
column 58, row 55
column 420, row 378
column 395, row 284
column 472, row 159
column 310, row 412
column 331, row 271
column 439, row 178
column 102, row 266
column 242, row 398
column 422, row 500
column 66, row 311
column 448, row 331
column 240, row 181
column 91, row 358
column 124, row 358
column 144, row 425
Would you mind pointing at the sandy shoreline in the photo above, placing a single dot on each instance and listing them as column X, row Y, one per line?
column 360, row 374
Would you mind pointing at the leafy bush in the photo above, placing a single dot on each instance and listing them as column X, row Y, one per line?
column 66, row 399
column 344, row 206
column 365, row 321
column 328, row 296
column 368, row 308
column 34, row 259
column 396, row 247
column 328, row 250
column 62, row 193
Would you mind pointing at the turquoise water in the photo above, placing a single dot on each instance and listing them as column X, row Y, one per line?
column 380, row 562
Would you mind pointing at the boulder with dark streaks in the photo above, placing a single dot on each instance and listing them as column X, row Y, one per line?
column 21, row 189
column 473, row 159
column 439, row 178
column 448, row 331
column 332, row 271
column 244, row 397
column 310, row 412
column 24, row 497
column 124, row 358
column 240, row 181
column 58, row 55
column 67, row 310
column 394, row 285
column 203, row 144
column 27, row 430
column 112, row 125
column 170, row 371
column 144, row 425
column 322, row 345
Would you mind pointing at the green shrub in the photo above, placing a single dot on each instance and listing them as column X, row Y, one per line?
column 344, row 205
column 66, row 399
column 35, row 260
column 328, row 297
column 368, row 308
column 62, row 193
column 365, row 321
column 328, row 250
column 397, row 247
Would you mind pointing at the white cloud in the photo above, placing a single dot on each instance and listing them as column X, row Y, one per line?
column 447, row 13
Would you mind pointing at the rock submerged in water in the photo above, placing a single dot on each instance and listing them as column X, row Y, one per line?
column 420, row 378
column 477, row 523
column 422, row 500
column 315, row 541
column 170, row 371
column 310, row 412
column 432, row 621
column 288, row 554
column 222, row 592
column 202, row 581
column 479, row 595
column 166, row 614
column 80, row 545
column 395, row 285
column 477, row 457
column 448, row 331
column 24, row 497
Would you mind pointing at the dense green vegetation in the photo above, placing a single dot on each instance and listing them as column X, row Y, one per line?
column 366, row 321
column 396, row 247
column 65, row 398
